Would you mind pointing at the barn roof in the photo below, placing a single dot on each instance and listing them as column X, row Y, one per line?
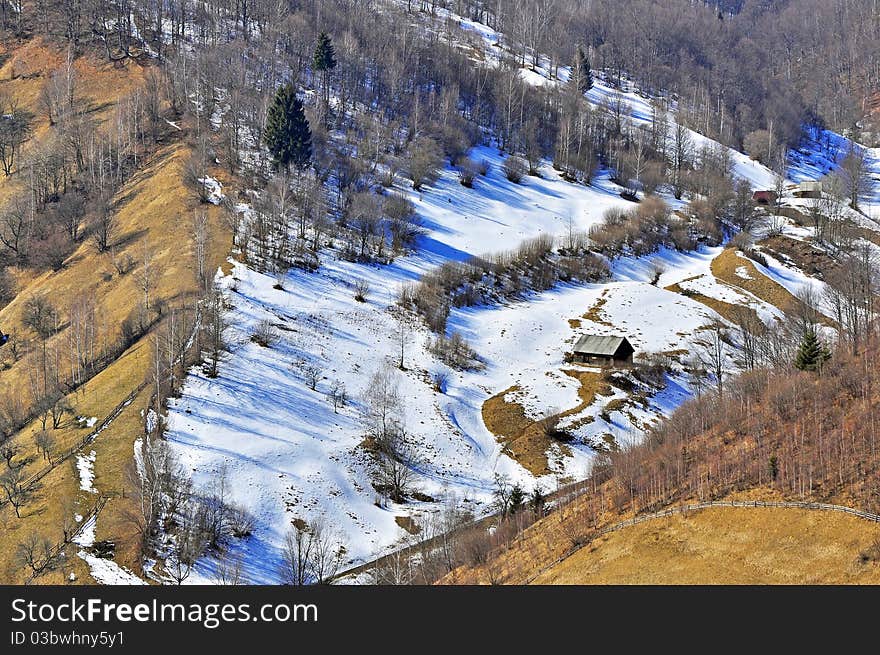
column 596, row 345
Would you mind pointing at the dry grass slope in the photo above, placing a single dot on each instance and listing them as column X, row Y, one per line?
column 724, row 268
column 155, row 214
column 729, row 546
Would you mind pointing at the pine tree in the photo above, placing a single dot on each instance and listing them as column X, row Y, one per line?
column 581, row 75
column 537, row 502
column 325, row 56
column 324, row 61
column 517, row 497
column 811, row 353
column 287, row 131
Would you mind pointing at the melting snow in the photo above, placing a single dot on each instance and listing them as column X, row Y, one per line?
column 85, row 464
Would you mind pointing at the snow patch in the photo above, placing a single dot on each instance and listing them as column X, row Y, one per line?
column 214, row 189
column 85, row 464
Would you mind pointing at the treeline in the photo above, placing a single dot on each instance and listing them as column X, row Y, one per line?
column 736, row 69
column 536, row 265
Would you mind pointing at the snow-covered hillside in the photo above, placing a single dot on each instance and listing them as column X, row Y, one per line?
column 288, row 454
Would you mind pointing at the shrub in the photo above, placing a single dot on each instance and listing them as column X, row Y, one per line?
column 265, row 334
column 515, row 168
column 424, row 161
column 439, row 380
column 454, row 351
column 361, row 290
column 467, row 171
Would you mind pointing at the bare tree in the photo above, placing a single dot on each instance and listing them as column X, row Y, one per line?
column 328, row 551
column 382, row 402
column 312, row 374
column 40, row 315
column 855, row 175
column 397, row 461
column 36, row 553
column 45, row 443
column 212, row 334
column 188, row 544
column 15, row 129
column 104, row 227
column 712, row 351
column 296, row 556
column 337, row 395
column 402, row 336
column 15, row 487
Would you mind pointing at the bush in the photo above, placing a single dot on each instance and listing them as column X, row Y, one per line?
column 241, row 522
column 424, row 162
column 265, row 334
column 515, row 168
column 467, row 171
column 454, row 351
column 361, row 290
column 439, row 380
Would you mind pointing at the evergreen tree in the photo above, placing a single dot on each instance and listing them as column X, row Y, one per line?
column 325, row 57
column 811, row 353
column 581, row 75
column 537, row 502
column 324, row 61
column 287, row 131
column 517, row 497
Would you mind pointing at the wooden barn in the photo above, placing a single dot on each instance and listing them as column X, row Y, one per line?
column 764, row 197
column 603, row 351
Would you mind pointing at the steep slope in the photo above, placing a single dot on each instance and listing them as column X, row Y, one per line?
column 93, row 297
column 775, row 436
column 730, row 546
column 289, row 455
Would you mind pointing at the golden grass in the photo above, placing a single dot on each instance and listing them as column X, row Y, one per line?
column 522, row 437
column 99, row 86
column 724, row 268
column 155, row 214
column 810, row 260
column 791, row 545
column 408, row 523
column 595, row 313
column 728, row 310
column 728, row 545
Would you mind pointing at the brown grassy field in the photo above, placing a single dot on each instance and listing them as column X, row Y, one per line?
column 728, row 310
column 595, row 313
column 524, row 439
column 730, row 545
column 810, row 260
column 724, row 268
column 722, row 545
